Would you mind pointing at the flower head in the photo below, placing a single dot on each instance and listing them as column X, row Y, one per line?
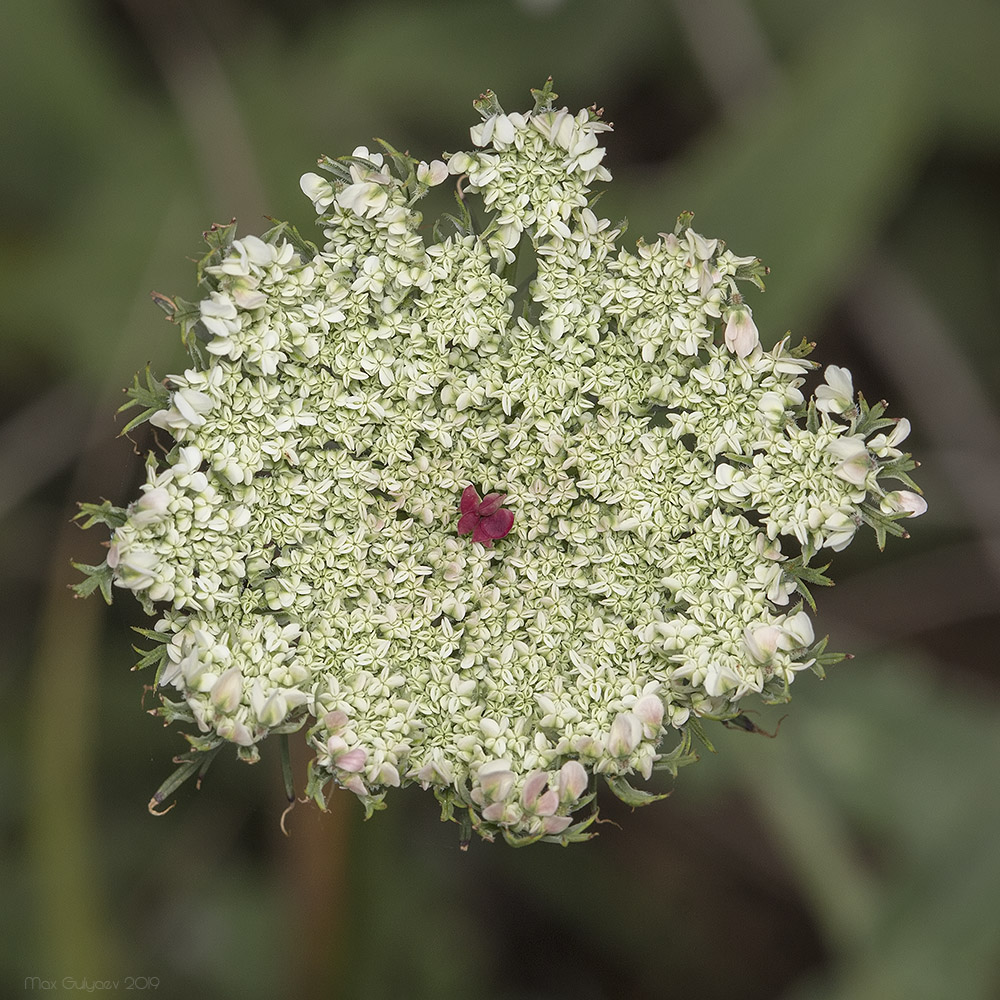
column 300, row 547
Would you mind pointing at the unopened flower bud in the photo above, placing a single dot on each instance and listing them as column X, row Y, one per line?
column 903, row 502
column 227, row 691
column 762, row 642
column 799, row 631
column 649, row 711
column 626, row 732
column 573, row 781
column 741, row 335
column 236, row 732
column 496, row 780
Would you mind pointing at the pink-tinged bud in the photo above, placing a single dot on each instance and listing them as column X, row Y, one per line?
column 649, row 711
column 626, row 732
column 227, row 691
column 573, row 781
column 741, row 332
column 151, row 506
column 493, row 813
column 335, row 720
column 533, row 786
column 353, row 760
column 556, row 824
column 546, row 804
column 762, row 642
column 335, row 746
column 355, row 784
column 900, row 502
column 496, row 780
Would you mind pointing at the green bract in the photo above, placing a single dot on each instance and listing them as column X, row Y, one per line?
column 669, row 485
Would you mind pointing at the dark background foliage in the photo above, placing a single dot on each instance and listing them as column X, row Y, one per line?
column 854, row 147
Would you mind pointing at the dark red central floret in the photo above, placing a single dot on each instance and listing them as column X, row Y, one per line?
column 486, row 518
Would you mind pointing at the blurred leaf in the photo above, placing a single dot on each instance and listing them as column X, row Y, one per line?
column 880, row 793
column 807, row 181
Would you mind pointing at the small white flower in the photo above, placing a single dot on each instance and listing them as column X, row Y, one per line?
column 187, row 409
column 318, row 190
column 772, row 406
column 495, row 781
column 136, row 569
column 433, row 173
column 498, row 129
column 884, row 445
column 247, row 299
column 855, row 462
column 837, row 396
column 270, row 709
column 461, row 163
column 438, row 772
column 151, row 507
column 371, row 169
column 365, row 199
column 649, row 711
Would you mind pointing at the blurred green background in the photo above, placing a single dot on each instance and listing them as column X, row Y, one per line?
column 855, row 147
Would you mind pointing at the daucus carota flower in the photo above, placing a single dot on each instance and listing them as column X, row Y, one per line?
column 660, row 483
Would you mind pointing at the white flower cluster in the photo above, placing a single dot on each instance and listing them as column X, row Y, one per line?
column 667, row 479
